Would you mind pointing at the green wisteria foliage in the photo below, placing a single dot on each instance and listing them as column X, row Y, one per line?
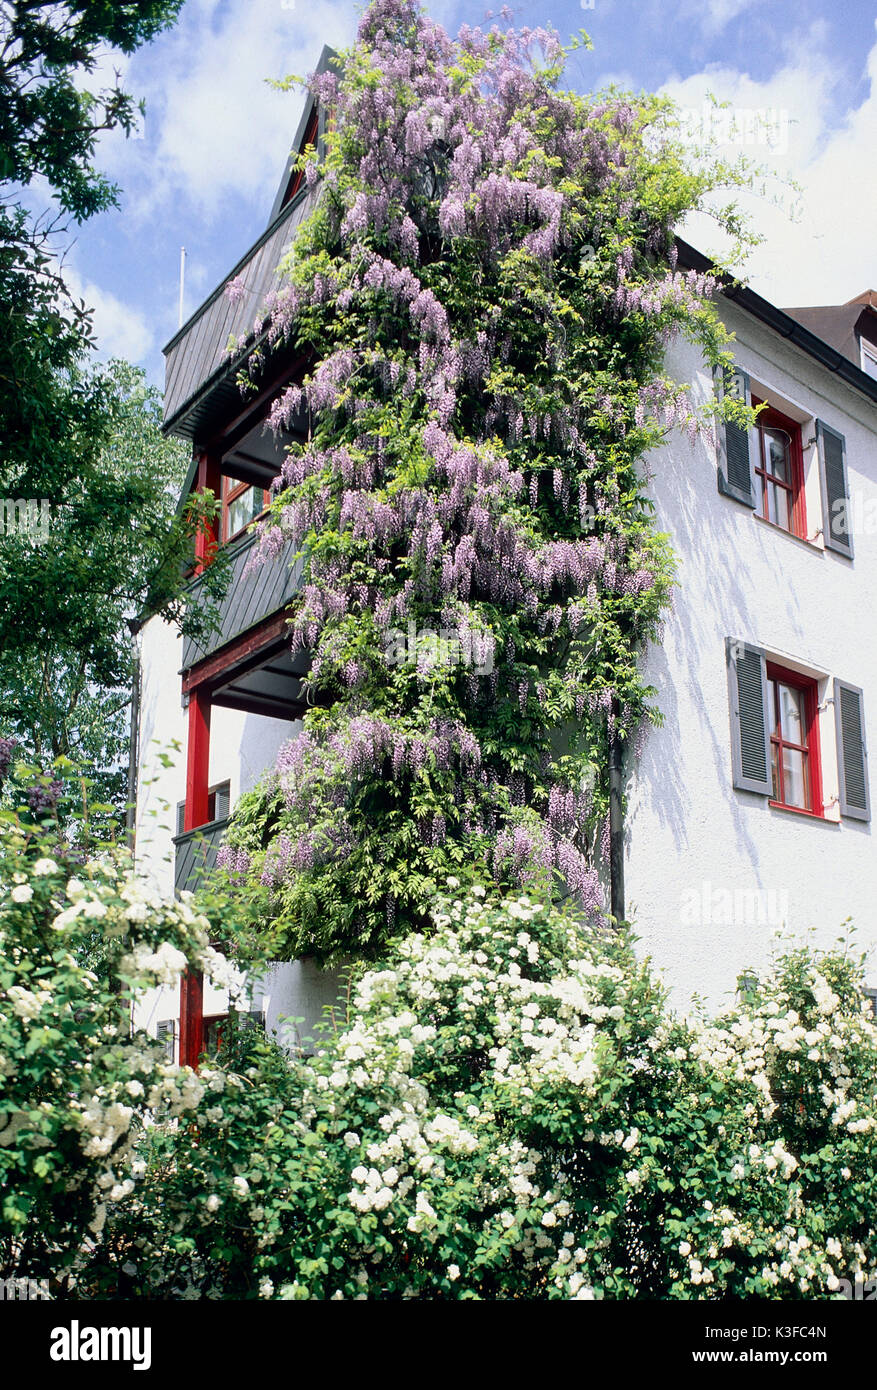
column 484, row 289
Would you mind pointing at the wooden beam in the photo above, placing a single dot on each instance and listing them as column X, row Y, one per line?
column 208, row 477
column 197, row 761
column 222, row 664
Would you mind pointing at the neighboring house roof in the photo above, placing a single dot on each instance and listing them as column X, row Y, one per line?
column 842, row 325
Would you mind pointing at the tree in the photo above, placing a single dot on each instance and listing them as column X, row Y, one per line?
column 89, row 537
column 49, row 124
column 486, row 288
column 49, row 127
column 112, row 547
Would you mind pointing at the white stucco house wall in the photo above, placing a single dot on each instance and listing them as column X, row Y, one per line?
column 713, row 870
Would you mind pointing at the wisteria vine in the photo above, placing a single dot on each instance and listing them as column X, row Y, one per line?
column 485, row 289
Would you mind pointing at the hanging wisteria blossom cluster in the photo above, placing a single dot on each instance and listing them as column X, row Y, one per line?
column 484, row 291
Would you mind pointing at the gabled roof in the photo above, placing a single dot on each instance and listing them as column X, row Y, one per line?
column 787, row 325
column 302, row 136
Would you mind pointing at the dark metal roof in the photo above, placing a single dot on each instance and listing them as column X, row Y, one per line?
column 840, row 325
column 327, row 58
column 200, row 384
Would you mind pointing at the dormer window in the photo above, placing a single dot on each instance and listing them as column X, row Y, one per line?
column 869, row 357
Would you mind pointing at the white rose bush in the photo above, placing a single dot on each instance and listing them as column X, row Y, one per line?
column 77, row 1084
column 511, row 1111
column 506, row 1108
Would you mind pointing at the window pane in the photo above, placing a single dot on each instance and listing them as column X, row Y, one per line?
column 243, row 509
column 795, row 780
column 792, row 717
column 778, row 454
column 778, row 506
column 772, row 699
column 775, row 772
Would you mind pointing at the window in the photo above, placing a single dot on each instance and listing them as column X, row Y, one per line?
column 779, row 470
column 794, row 741
column 775, row 725
column 763, row 468
column 214, row 1028
column 218, row 805
column 241, row 504
column 869, row 357
column 219, row 801
column 166, row 1033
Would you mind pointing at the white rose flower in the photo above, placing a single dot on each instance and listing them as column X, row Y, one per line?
column 22, row 893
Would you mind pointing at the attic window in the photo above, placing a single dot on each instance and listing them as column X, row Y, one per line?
column 869, row 357
column 310, row 138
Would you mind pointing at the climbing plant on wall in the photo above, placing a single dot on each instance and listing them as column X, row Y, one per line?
column 485, row 290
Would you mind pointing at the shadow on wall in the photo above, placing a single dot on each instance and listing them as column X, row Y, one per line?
column 260, row 742
column 713, row 600
column 296, row 997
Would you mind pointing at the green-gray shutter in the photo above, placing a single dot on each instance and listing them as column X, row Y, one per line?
column 852, row 754
column 750, row 717
column 734, row 471
column 837, row 529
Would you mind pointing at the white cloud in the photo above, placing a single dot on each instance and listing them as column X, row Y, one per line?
column 827, row 254
column 120, row 330
column 214, row 128
column 715, row 15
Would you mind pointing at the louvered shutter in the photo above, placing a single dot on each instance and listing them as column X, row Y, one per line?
column 836, row 517
column 750, row 716
column 852, row 755
column 734, row 471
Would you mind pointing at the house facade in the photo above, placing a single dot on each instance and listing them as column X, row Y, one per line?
column 747, row 812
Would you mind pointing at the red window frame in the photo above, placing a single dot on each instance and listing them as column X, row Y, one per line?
column 775, row 419
column 231, row 490
column 810, row 748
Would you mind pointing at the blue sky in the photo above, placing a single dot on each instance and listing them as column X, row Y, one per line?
column 205, row 169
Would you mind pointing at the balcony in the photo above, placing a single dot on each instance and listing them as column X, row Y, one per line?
column 249, row 598
column 200, row 386
column 195, row 855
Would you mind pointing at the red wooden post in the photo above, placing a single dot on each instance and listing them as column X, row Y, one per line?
column 198, row 777
column 197, row 759
column 191, row 1017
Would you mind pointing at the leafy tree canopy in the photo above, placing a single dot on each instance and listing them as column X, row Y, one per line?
column 49, row 122
column 75, row 580
column 89, row 537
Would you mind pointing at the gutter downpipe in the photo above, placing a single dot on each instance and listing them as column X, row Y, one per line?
column 134, row 738
column 616, row 816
